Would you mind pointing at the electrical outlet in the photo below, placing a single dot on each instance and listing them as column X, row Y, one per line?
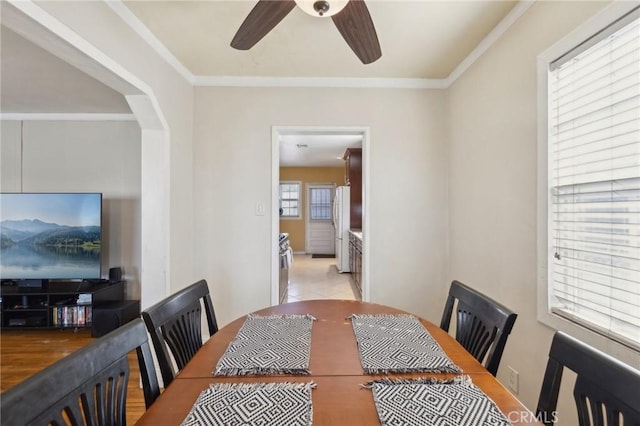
column 513, row 380
column 259, row 208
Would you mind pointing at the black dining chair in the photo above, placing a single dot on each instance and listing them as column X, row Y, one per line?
column 482, row 324
column 175, row 327
column 606, row 391
column 89, row 386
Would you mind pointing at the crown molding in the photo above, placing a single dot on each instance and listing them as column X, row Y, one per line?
column 383, row 83
column 136, row 25
column 19, row 116
column 497, row 32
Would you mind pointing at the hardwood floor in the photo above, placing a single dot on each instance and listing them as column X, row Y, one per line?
column 24, row 352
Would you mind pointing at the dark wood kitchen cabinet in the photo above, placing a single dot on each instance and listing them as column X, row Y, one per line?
column 353, row 178
column 355, row 261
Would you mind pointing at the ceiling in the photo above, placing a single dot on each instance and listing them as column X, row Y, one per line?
column 35, row 81
column 420, row 39
column 316, row 149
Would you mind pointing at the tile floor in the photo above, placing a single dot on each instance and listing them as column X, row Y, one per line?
column 318, row 279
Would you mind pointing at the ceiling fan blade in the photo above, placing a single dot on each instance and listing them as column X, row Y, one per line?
column 355, row 24
column 264, row 16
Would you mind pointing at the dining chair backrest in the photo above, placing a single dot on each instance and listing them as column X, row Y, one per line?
column 175, row 327
column 482, row 324
column 606, row 391
column 89, row 386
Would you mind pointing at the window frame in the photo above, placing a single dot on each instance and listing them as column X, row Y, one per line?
column 584, row 32
column 300, row 199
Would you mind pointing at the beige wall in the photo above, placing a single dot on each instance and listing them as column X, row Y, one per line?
column 99, row 25
column 296, row 227
column 493, row 177
column 408, row 190
column 83, row 156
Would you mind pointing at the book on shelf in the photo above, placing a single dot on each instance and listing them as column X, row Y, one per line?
column 72, row 316
column 81, row 315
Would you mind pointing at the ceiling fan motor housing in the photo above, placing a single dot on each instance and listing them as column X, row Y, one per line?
column 321, row 6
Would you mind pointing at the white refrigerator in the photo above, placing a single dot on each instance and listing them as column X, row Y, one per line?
column 341, row 223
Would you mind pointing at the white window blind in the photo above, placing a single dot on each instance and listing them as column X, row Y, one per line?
column 594, row 182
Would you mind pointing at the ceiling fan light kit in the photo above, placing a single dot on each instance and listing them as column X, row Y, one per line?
column 354, row 23
column 321, row 8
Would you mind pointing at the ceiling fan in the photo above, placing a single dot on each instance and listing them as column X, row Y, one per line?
column 351, row 17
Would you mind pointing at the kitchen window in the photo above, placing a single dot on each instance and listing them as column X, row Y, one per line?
column 290, row 200
column 592, row 188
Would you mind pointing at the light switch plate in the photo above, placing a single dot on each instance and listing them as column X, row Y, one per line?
column 513, row 380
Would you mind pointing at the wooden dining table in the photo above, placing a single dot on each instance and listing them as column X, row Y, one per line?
column 339, row 398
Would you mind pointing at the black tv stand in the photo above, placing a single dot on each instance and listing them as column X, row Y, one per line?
column 97, row 281
column 56, row 304
column 31, row 283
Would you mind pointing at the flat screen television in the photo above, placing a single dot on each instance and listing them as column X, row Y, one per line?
column 50, row 236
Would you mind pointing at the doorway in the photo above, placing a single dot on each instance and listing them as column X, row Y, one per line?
column 330, row 143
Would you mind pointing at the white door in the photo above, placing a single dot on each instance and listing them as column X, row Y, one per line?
column 320, row 234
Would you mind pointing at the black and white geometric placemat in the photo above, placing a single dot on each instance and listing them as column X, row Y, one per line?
column 277, row 344
column 430, row 402
column 228, row 404
column 398, row 344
